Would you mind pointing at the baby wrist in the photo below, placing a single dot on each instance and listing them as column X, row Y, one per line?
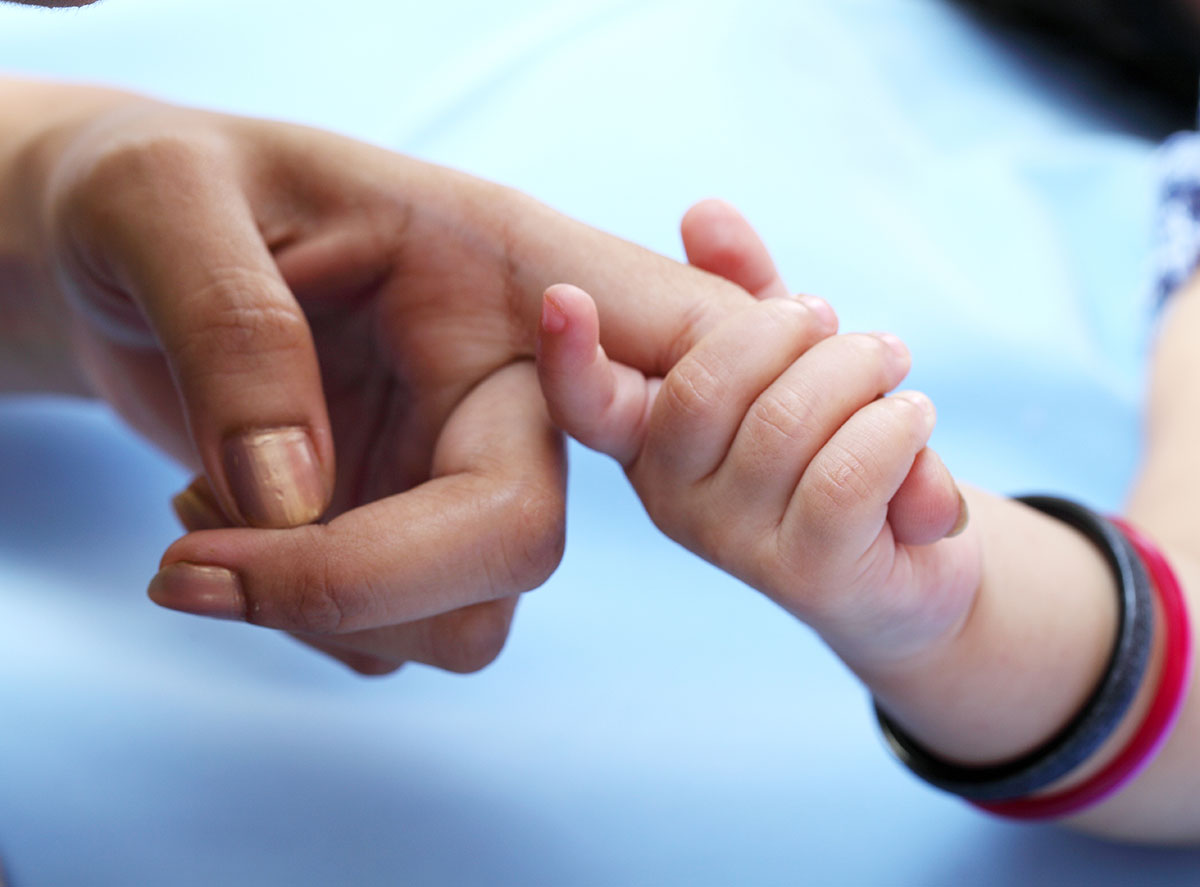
column 1124, row 722
column 1033, row 646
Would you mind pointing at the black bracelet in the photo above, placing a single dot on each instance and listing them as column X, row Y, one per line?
column 1102, row 712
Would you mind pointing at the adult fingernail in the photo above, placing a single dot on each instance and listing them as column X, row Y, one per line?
column 201, row 590
column 964, row 517
column 196, row 509
column 275, row 478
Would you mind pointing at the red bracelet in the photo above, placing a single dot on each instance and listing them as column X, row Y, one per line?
column 1151, row 735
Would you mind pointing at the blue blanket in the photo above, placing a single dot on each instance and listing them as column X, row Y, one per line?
column 652, row 721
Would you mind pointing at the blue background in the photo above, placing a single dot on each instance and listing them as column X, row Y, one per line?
column 651, row 721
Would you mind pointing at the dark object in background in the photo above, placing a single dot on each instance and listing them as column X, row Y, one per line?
column 1153, row 45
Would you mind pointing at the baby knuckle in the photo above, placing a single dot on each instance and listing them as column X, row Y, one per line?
column 472, row 639
column 846, row 476
column 693, row 389
column 785, row 413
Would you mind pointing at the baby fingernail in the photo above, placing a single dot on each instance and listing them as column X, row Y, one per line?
column 964, row 517
column 204, row 591
column 275, row 478
column 196, row 509
column 554, row 319
column 898, row 347
column 922, row 402
column 821, row 308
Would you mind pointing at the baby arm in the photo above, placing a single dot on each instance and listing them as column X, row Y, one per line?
column 773, row 450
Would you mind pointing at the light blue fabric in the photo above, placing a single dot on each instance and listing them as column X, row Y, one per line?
column 652, row 721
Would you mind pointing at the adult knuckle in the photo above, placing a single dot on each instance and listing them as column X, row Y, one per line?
column 319, row 598
column 317, row 608
column 234, row 321
column 136, row 167
column 535, row 536
column 472, row 639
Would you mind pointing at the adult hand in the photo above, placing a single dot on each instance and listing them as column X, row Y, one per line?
column 247, row 294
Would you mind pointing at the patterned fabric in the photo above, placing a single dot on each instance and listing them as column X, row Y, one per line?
column 1177, row 247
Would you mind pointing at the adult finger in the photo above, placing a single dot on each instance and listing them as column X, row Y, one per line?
column 488, row 525
column 652, row 310
column 169, row 225
column 197, row 507
column 462, row 641
column 718, row 239
column 363, row 663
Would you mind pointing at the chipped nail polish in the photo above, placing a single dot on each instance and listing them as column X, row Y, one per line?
column 196, row 508
column 275, row 478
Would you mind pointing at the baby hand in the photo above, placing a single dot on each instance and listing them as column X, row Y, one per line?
column 773, row 450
